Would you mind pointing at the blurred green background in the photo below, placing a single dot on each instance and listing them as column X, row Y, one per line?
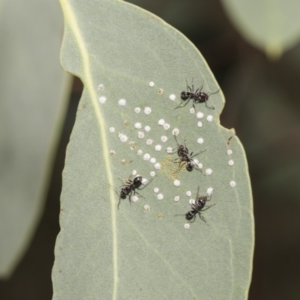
column 262, row 105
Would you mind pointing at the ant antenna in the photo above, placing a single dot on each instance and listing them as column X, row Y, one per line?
column 213, row 93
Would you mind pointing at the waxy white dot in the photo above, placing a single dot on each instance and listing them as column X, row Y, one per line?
column 151, row 83
column 134, row 172
column 188, row 193
column 135, row 198
column 137, row 110
column 192, row 110
column 208, row 171
column 123, row 138
column 231, row 162
column 200, row 166
column 175, row 131
column 152, row 173
column 101, row 87
column 122, row 102
column 146, row 156
column 149, row 142
column 232, row 183
column 139, row 152
column 176, row 198
column 156, row 190
column 138, row 125
column 144, row 181
column 147, row 128
column 176, row 182
column 172, row 97
column 209, row 118
column 229, row 152
column 147, row 110
column 146, row 208
column 112, row 129
column 102, row 99
column 192, row 201
column 153, row 160
column 199, row 124
column 166, row 126
column 158, row 147
column 169, row 150
column 163, row 138
column 200, row 115
column 157, row 166
column 161, row 122
column 160, row 196
column 200, row 141
column 141, row 134
column 209, row 191
column 186, row 225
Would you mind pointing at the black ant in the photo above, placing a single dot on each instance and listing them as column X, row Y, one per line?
column 200, row 202
column 130, row 187
column 185, row 156
column 198, row 96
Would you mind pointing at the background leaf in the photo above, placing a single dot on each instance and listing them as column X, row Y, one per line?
column 272, row 26
column 101, row 251
column 32, row 107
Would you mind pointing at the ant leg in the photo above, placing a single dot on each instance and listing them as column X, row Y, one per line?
column 197, row 196
column 119, row 202
column 135, row 192
column 186, row 102
column 197, row 168
column 211, row 107
column 129, row 197
column 188, row 87
column 177, row 162
column 175, row 137
column 193, row 220
column 201, row 86
column 144, row 185
column 194, row 107
column 210, row 196
column 197, row 153
column 180, row 166
column 201, row 217
column 185, row 146
column 207, row 207
column 214, row 92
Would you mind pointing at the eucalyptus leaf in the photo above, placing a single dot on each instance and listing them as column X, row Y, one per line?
column 32, row 108
column 134, row 67
column 272, row 26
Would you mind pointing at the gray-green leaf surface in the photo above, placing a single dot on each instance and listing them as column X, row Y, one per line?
column 272, row 26
column 132, row 64
column 32, row 107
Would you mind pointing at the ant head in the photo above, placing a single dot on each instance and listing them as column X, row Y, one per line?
column 201, row 200
column 181, row 148
column 189, row 215
column 124, row 192
column 138, row 180
column 185, row 95
column 189, row 166
column 203, row 96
